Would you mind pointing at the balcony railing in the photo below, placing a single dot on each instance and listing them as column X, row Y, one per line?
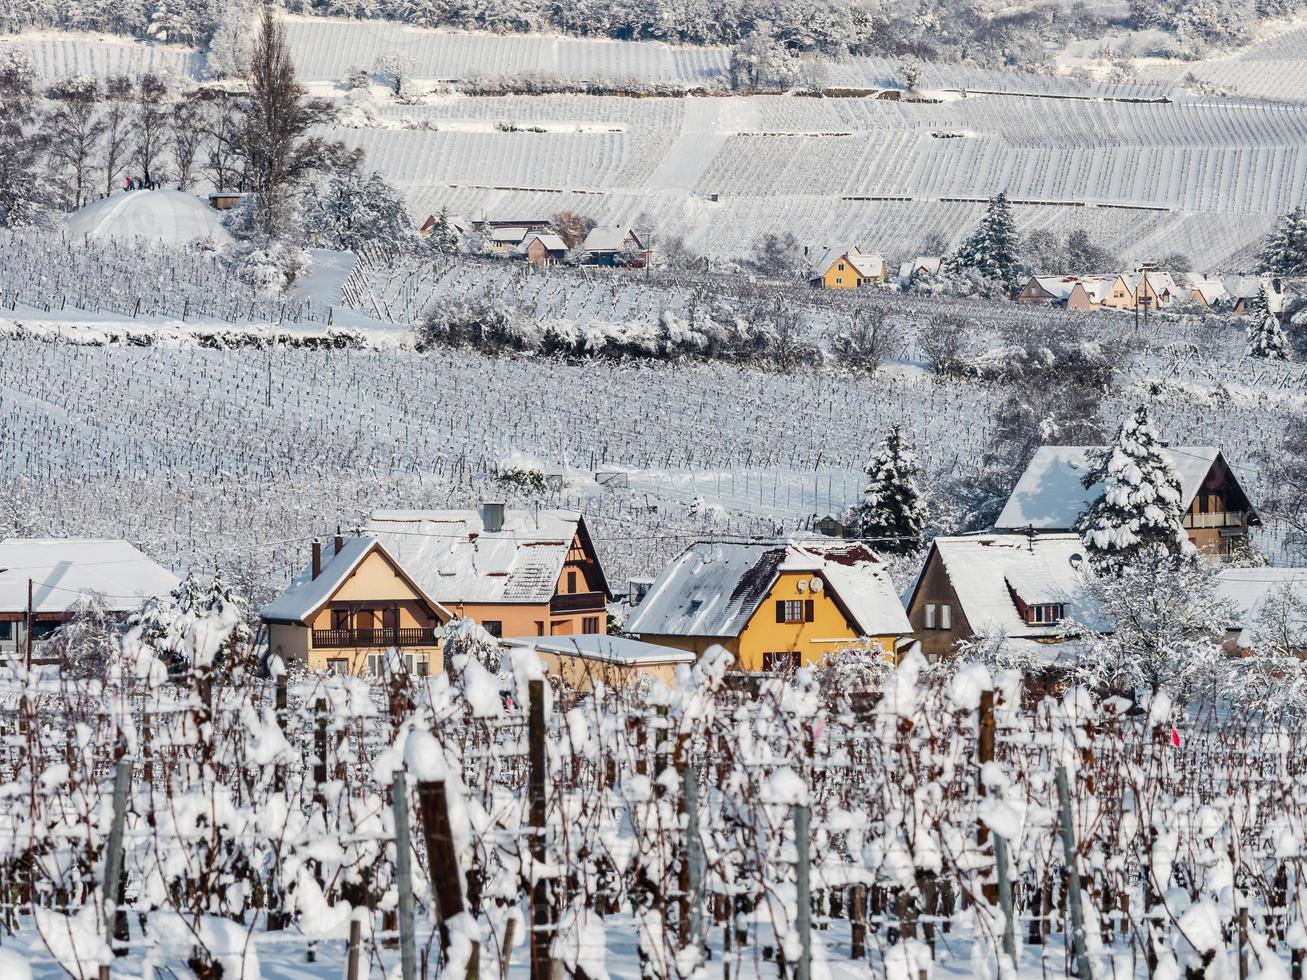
column 339, row 639
column 1223, row 518
column 578, row 602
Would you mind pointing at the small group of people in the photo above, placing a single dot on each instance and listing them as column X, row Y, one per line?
column 139, row 184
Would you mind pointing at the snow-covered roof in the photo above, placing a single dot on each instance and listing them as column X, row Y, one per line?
column 1050, row 497
column 1246, row 590
column 868, row 264
column 1059, row 287
column 713, row 588
column 620, row 650
column 609, row 238
column 989, row 572
column 174, row 217
column 451, row 555
column 1097, row 287
column 928, row 264
column 552, row 242
column 1211, row 288
column 507, row 236
column 61, row 569
column 307, row 594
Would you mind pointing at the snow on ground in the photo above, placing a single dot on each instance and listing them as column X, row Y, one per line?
column 167, row 216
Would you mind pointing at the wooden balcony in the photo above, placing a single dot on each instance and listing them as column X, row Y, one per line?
column 352, row 639
column 578, row 602
column 1222, row 518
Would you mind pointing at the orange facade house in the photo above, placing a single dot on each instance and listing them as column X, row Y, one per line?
column 516, row 572
column 353, row 604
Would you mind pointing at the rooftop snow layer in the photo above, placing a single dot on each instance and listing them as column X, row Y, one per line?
column 454, row 559
column 986, row 570
column 1246, row 590
column 713, row 588
column 608, row 649
column 174, row 217
column 62, row 569
column 1050, row 497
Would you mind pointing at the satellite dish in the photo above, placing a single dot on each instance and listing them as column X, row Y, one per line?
column 802, row 585
column 1076, row 559
column 816, row 585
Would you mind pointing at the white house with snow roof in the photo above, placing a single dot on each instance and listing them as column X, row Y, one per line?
column 615, row 245
column 42, row 580
column 517, row 572
column 1269, row 607
column 1050, row 497
column 1028, row 589
column 773, row 605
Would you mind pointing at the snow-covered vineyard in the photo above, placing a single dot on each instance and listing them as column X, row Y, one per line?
column 486, row 825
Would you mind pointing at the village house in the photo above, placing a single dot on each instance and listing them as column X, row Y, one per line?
column 1260, row 626
column 615, row 245
column 352, row 605
column 1050, row 498
column 42, row 581
column 1241, row 290
column 456, row 222
column 918, row 268
column 1024, row 589
column 1119, row 294
column 580, row 662
column 542, row 249
column 1091, row 293
column 1047, row 290
column 505, row 241
column 773, row 606
column 486, row 225
column 1207, row 291
column 847, row 269
column 1152, row 290
column 516, row 572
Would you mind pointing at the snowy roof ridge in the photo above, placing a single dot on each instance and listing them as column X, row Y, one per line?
column 713, row 588
column 62, row 569
column 1049, row 496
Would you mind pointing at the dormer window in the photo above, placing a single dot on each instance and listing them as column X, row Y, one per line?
column 1045, row 613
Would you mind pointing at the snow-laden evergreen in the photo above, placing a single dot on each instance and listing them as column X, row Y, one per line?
column 1140, row 509
column 1285, row 253
column 993, row 249
column 357, row 208
column 893, row 511
column 1266, row 338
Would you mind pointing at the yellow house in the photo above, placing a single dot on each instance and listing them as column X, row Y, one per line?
column 774, row 606
column 515, row 572
column 847, row 269
column 350, row 607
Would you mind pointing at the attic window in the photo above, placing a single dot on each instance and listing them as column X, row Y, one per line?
column 695, row 606
column 1046, row 614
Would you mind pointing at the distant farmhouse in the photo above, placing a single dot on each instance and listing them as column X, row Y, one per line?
column 846, row 269
column 1049, row 497
column 615, row 245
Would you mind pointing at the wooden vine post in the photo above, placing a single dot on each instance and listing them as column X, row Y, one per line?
column 984, row 754
column 542, row 912
column 442, row 860
column 404, row 877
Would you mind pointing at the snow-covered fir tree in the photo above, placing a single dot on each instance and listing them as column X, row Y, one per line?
column 893, row 511
column 993, row 250
column 356, row 209
column 1140, row 509
column 1285, row 253
column 1266, row 338
column 443, row 237
column 196, row 626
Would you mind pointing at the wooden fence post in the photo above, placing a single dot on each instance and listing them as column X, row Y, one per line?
column 1083, row 970
column 984, row 754
column 113, row 858
column 693, row 858
column 1005, row 899
column 542, row 912
column 803, row 891
column 404, row 877
column 442, row 860
column 355, row 941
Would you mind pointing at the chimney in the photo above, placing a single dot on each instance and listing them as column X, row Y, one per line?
column 317, row 557
column 340, row 539
column 492, row 517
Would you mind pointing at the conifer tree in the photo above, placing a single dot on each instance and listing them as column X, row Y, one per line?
column 1266, row 338
column 893, row 511
column 1140, row 509
column 1285, row 253
column 992, row 250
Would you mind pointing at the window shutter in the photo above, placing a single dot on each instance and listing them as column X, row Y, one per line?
column 807, row 610
column 930, row 615
column 946, row 617
column 780, row 610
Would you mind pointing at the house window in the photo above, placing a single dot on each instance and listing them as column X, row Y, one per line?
column 340, row 619
column 376, row 664
column 939, row 616
column 338, row 665
column 6, row 630
column 571, row 582
column 839, row 281
column 494, row 627
column 590, row 624
column 408, row 662
column 1045, row 614
column 841, row 268
column 424, row 665
column 782, row 661
column 43, row 630
column 794, row 610
column 540, row 627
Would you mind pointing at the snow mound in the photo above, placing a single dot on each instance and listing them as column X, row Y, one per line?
column 174, row 217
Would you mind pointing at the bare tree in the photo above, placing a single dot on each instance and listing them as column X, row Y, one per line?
column 75, row 128
column 117, row 116
column 572, row 228
column 224, row 163
column 150, row 124
column 867, row 342
column 187, row 136
column 278, row 120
